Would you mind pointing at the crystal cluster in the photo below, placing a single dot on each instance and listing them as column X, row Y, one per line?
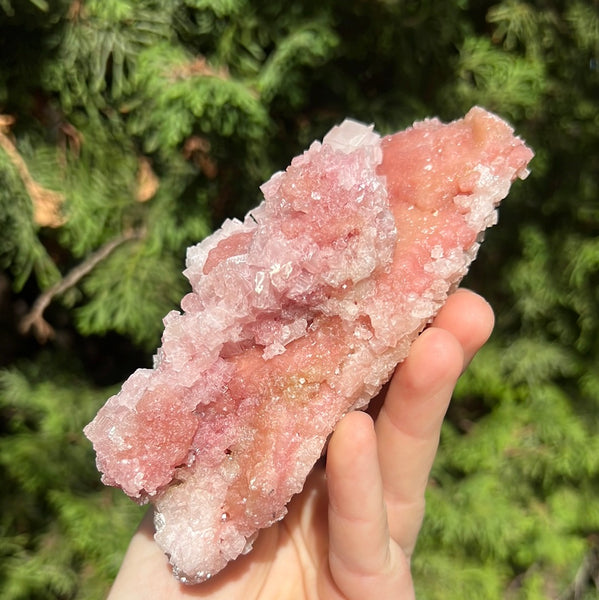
column 296, row 316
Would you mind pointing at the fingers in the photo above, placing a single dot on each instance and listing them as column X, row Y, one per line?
column 408, row 428
column 362, row 561
column 469, row 318
column 409, row 423
column 357, row 516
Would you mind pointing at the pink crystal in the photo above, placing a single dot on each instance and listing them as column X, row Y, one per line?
column 298, row 315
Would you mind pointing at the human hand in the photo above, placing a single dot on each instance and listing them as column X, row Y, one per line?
column 351, row 532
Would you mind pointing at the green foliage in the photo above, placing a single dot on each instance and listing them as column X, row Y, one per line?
column 145, row 123
column 194, row 93
column 492, row 78
column 21, row 250
column 8, row 8
column 97, row 49
column 61, row 534
column 142, row 274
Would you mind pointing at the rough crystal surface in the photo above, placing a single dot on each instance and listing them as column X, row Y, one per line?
column 296, row 316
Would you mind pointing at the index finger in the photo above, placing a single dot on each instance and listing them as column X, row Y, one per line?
column 409, row 423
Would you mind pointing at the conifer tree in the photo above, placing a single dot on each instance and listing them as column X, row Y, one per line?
column 129, row 129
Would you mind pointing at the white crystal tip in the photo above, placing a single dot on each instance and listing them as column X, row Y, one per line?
column 350, row 135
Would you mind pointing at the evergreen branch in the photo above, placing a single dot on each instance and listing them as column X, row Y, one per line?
column 45, row 202
column 198, row 67
column 587, row 575
column 34, row 319
column 75, row 9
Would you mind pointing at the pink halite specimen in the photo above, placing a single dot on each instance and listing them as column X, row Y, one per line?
column 298, row 315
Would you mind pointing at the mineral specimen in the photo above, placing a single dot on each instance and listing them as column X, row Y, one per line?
column 298, row 315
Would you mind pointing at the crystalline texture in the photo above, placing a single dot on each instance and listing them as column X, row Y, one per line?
column 298, row 315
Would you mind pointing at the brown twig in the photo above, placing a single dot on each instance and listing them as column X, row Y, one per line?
column 75, row 10
column 34, row 319
column 198, row 67
column 147, row 181
column 586, row 576
column 46, row 203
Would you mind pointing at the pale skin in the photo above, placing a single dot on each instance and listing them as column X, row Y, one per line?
column 352, row 531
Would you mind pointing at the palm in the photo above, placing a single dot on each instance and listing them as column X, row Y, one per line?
column 351, row 532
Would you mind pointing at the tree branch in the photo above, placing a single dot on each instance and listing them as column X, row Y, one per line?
column 46, row 203
column 34, row 319
column 587, row 576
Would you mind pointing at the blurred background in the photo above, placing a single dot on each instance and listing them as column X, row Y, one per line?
column 129, row 129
